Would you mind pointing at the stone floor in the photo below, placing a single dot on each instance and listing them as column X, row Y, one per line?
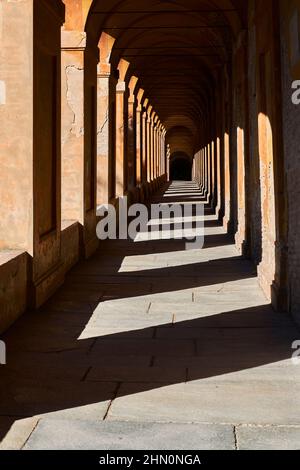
column 149, row 345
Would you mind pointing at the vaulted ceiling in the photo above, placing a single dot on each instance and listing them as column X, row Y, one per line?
column 175, row 48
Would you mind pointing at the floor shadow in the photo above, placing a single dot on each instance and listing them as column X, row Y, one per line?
column 153, row 280
column 70, row 354
column 50, row 369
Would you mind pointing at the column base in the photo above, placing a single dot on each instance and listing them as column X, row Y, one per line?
column 241, row 243
column 264, row 282
column 227, row 224
column 244, row 249
column 14, row 282
column 43, row 288
column 205, row 194
column 90, row 247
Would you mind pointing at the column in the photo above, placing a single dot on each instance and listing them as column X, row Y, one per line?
column 168, row 155
column 131, row 144
column 139, row 138
column 158, row 157
column 144, row 146
column 164, row 156
column 149, row 145
column 218, row 149
column 30, row 137
column 159, row 149
column 206, row 169
column 155, row 154
column 106, row 85
column 152, row 147
column 202, row 170
column 121, row 172
column 103, row 122
column 209, row 188
column 72, row 60
column 79, row 142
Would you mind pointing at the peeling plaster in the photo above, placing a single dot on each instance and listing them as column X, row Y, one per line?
column 74, row 80
column 1, row 21
column 2, row 92
column 104, row 123
column 102, row 136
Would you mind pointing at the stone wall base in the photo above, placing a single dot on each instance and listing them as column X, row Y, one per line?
column 280, row 298
column 42, row 289
column 19, row 292
column 264, row 281
column 13, row 299
column 90, row 247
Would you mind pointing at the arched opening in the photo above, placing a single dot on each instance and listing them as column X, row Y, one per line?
column 180, row 113
column 180, row 167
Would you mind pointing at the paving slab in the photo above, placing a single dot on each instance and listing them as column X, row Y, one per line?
column 15, row 433
column 124, row 332
column 133, row 373
column 268, row 437
column 149, row 345
column 219, row 401
column 142, row 346
column 60, row 398
column 61, row 435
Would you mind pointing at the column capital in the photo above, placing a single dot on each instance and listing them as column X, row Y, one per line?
column 121, row 87
column 131, row 99
column 73, row 40
column 104, row 71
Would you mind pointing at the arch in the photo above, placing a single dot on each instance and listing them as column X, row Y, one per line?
column 128, row 23
column 169, row 89
column 181, row 139
column 76, row 14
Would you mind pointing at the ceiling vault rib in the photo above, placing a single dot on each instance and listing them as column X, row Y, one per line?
column 142, row 12
column 175, row 49
column 167, row 47
column 170, row 55
column 128, row 28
